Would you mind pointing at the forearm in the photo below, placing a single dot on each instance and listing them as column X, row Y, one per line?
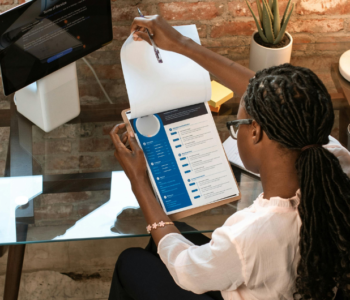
column 152, row 211
column 233, row 75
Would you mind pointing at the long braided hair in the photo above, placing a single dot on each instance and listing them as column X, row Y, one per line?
column 293, row 107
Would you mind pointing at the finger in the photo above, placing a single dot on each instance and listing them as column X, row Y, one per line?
column 117, row 127
column 115, row 137
column 142, row 22
column 141, row 36
column 124, row 137
column 133, row 143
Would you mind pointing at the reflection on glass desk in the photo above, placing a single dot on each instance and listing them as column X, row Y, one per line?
column 67, row 185
column 118, row 215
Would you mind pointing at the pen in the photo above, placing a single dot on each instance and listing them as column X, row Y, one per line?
column 156, row 51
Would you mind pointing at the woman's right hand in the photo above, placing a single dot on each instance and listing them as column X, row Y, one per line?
column 163, row 34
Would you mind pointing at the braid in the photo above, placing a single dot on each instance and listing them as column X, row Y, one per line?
column 293, row 107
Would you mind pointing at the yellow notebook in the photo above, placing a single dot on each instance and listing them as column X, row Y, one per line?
column 219, row 94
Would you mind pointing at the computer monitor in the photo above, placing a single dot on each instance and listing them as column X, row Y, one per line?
column 41, row 36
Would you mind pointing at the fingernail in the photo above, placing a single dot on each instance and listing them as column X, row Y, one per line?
column 132, row 134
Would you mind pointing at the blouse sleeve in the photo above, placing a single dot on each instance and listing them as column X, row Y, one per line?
column 216, row 266
column 341, row 153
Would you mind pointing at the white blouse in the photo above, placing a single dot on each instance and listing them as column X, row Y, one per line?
column 254, row 255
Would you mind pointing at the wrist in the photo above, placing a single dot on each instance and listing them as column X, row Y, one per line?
column 184, row 45
column 141, row 185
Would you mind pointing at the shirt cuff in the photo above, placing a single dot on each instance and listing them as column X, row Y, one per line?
column 172, row 238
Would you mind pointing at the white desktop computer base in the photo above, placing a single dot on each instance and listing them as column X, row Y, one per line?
column 52, row 100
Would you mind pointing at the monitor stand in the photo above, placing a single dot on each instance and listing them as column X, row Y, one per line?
column 52, row 100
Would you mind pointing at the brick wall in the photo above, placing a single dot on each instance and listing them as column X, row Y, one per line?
column 320, row 28
column 74, row 148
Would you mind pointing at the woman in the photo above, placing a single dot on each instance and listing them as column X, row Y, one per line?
column 294, row 241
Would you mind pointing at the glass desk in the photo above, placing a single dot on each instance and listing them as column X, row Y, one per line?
column 66, row 185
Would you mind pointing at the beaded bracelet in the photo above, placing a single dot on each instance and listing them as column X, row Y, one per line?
column 156, row 225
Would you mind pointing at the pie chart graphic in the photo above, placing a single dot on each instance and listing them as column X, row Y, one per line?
column 148, row 126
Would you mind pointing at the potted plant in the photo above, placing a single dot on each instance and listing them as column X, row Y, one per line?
column 271, row 45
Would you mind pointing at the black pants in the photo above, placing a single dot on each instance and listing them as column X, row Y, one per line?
column 141, row 275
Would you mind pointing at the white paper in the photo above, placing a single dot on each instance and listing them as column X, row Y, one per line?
column 12, row 189
column 155, row 87
column 231, row 149
column 185, row 159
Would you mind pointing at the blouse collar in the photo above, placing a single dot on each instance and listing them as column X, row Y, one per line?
column 292, row 202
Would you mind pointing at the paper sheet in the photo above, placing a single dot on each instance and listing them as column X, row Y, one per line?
column 154, row 87
column 185, row 158
column 231, row 149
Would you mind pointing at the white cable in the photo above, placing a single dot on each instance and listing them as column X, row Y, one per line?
column 98, row 80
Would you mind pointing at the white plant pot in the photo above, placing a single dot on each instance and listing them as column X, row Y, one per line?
column 262, row 57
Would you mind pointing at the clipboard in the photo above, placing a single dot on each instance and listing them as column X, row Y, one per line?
column 196, row 210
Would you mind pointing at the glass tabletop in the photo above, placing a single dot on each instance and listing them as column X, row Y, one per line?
column 67, row 185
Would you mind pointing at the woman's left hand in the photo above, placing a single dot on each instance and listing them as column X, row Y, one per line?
column 132, row 161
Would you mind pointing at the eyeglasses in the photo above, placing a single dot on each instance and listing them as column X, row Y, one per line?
column 233, row 126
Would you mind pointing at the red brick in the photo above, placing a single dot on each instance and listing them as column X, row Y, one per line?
column 323, row 7
column 202, row 30
column 107, row 57
column 86, row 208
column 107, row 129
column 4, row 104
column 301, row 39
column 128, row 12
column 299, row 47
column 227, row 41
column 124, row 13
column 89, row 162
column 313, row 62
column 52, row 147
column 49, row 199
column 64, row 131
column 2, row 167
column 62, row 163
column 233, row 28
column 332, row 46
column 2, row 2
column 87, row 129
column 121, row 32
column 316, row 25
column 103, row 71
column 91, row 89
column 4, row 134
column 333, row 39
column 96, row 145
column 53, row 212
column 190, row 11
column 239, row 8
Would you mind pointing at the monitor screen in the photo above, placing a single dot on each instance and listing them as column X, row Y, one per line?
column 42, row 36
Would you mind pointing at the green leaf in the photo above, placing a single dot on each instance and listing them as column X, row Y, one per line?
column 276, row 15
column 271, row 4
column 285, row 12
column 257, row 24
column 265, row 4
column 267, row 23
column 284, row 27
column 258, row 5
